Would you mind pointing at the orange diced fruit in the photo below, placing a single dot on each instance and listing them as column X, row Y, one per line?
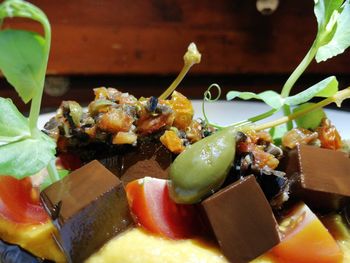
column 124, row 138
column 170, row 140
column 307, row 240
column 183, row 110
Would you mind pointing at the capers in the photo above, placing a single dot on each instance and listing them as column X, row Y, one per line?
column 202, row 168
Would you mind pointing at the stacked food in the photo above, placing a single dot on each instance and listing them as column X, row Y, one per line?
column 139, row 180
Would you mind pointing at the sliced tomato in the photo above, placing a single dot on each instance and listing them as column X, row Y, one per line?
column 154, row 210
column 19, row 201
column 306, row 240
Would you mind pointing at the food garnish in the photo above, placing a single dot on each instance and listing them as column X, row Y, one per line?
column 23, row 61
column 333, row 38
column 228, row 180
column 153, row 209
column 303, row 236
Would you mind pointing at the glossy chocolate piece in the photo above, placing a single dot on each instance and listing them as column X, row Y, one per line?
column 88, row 207
column 320, row 177
column 242, row 220
column 149, row 158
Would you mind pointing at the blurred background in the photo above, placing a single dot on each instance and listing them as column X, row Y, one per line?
column 137, row 46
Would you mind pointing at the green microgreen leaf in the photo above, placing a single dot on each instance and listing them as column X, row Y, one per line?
column 325, row 88
column 334, row 28
column 13, row 125
column 277, row 133
column 24, row 150
column 22, row 58
column 26, row 157
column 271, row 98
column 30, row 71
column 324, row 10
column 337, row 98
column 312, row 119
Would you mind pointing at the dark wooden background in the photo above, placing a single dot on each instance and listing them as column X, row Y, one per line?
column 138, row 46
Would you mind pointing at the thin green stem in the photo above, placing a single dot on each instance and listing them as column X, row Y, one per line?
column 255, row 118
column 287, row 87
column 294, row 77
column 262, row 116
column 337, row 98
column 36, row 101
column 176, row 82
column 52, row 170
column 191, row 57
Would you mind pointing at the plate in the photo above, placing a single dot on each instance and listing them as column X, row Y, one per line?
column 228, row 112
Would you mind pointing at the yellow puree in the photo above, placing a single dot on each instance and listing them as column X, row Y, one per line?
column 139, row 246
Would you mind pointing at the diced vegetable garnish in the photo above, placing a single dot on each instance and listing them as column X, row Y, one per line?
column 154, row 210
column 306, row 240
column 183, row 110
column 172, row 142
column 329, row 136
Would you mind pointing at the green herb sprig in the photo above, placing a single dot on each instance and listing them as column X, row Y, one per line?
column 333, row 37
column 24, row 149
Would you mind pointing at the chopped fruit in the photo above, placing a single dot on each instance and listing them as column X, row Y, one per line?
column 183, row 110
column 194, row 131
column 115, row 120
column 154, row 210
column 172, row 142
column 297, row 136
column 306, row 239
column 124, row 138
column 329, row 135
column 149, row 123
column 261, row 158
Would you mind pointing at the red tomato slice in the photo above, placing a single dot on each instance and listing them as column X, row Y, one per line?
column 154, row 210
column 307, row 240
column 19, row 201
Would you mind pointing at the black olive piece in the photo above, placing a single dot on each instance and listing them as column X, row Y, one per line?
column 69, row 118
column 14, row 254
column 152, row 104
column 271, row 182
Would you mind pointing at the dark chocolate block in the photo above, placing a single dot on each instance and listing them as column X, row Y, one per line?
column 88, row 207
column 242, row 220
column 320, row 177
column 149, row 158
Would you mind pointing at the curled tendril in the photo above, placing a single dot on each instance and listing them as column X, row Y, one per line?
column 207, row 96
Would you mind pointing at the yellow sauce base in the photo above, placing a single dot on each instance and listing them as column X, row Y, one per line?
column 139, row 246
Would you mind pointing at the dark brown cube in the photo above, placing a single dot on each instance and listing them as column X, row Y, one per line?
column 242, row 220
column 88, row 207
column 321, row 177
column 148, row 158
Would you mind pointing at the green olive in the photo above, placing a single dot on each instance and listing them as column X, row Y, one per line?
column 202, row 167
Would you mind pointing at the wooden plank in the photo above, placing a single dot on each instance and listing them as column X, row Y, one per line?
column 150, row 37
column 80, row 88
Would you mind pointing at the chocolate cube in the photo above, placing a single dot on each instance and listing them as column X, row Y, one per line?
column 88, row 207
column 149, row 158
column 320, row 177
column 242, row 220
